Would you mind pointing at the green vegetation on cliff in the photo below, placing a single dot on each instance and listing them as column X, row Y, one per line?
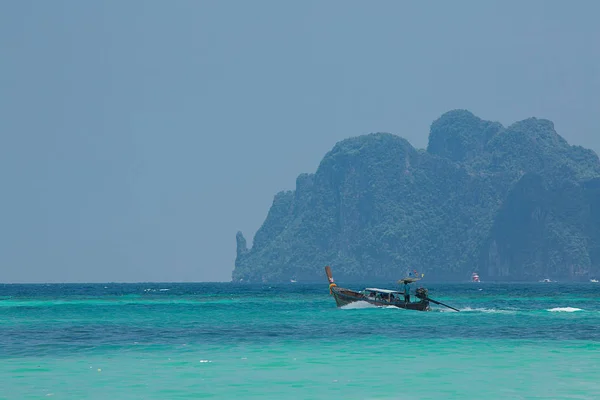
column 514, row 203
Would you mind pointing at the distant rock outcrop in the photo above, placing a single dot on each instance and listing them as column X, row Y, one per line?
column 242, row 247
column 515, row 203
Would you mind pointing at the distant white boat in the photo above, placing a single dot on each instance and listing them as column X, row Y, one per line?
column 475, row 277
column 594, row 280
column 292, row 281
column 546, row 280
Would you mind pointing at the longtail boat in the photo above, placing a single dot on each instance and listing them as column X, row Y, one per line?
column 382, row 297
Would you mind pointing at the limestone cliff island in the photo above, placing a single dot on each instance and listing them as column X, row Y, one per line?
column 514, row 203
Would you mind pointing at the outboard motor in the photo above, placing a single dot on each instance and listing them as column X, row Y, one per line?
column 422, row 293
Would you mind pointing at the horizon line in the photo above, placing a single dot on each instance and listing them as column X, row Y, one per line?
column 269, row 283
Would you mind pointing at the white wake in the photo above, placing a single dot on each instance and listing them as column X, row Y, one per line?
column 564, row 309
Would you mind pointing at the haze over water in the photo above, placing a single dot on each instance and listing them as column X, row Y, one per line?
column 137, row 137
column 226, row 341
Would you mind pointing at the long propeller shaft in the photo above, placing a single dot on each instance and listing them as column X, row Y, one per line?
column 442, row 304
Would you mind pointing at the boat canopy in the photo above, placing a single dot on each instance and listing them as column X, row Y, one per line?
column 408, row 280
column 386, row 291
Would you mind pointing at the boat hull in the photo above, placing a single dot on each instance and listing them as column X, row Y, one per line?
column 346, row 296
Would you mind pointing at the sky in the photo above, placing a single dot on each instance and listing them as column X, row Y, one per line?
column 137, row 137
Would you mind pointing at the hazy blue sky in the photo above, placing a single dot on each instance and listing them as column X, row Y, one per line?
column 137, row 137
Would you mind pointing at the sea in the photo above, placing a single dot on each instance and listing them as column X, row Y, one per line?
column 290, row 341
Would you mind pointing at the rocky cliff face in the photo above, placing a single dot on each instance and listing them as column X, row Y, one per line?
column 514, row 203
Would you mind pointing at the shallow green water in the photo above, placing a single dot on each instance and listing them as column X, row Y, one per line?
column 290, row 341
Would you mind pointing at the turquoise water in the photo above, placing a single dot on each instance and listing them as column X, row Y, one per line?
column 226, row 341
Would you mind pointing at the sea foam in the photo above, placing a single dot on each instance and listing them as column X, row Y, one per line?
column 487, row 310
column 564, row 309
column 358, row 305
